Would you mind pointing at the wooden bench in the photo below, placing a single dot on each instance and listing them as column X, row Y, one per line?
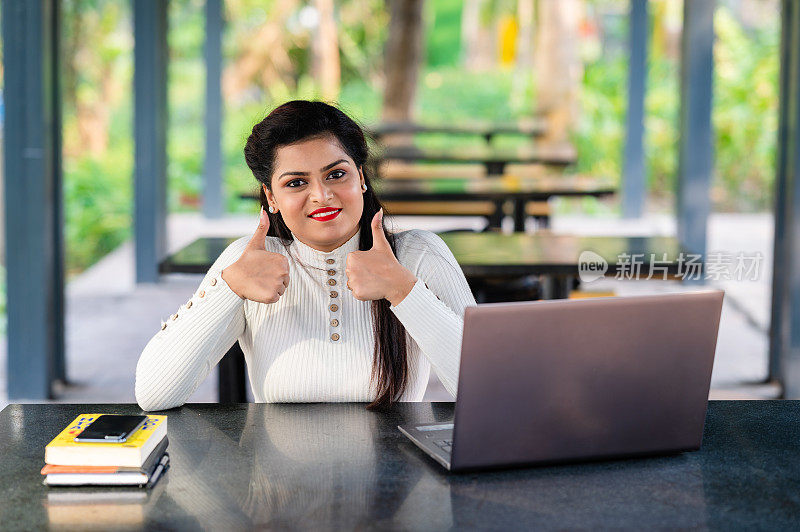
column 538, row 210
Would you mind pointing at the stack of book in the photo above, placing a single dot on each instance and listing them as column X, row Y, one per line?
column 139, row 461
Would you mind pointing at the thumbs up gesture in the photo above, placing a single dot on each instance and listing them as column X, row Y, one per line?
column 376, row 273
column 258, row 275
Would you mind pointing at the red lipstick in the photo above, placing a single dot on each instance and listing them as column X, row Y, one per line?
column 332, row 213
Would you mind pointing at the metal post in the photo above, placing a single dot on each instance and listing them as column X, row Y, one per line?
column 59, row 221
column 34, row 263
column 213, row 191
column 150, row 133
column 633, row 172
column 785, row 326
column 778, row 331
column 696, row 153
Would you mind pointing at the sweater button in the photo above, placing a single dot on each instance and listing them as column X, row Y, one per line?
column 175, row 316
column 331, row 272
column 202, row 293
column 332, row 282
column 334, row 307
column 213, row 282
column 163, row 325
column 334, row 293
column 330, row 261
column 189, row 304
column 334, row 337
column 334, row 323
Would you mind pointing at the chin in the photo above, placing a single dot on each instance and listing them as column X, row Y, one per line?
column 328, row 234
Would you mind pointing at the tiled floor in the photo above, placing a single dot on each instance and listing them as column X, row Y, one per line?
column 110, row 319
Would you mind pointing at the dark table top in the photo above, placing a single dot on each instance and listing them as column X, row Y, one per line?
column 528, row 127
column 339, row 466
column 197, row 257
column 497, row 189
column 561, row 155
column 492, row 254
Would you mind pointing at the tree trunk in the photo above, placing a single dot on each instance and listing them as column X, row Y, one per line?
column 558, row 67
column 326, row 67
column 403, row 58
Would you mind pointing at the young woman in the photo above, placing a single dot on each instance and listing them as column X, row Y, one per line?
column 325, row 303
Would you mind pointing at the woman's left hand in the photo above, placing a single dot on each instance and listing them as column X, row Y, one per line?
column 376, row 273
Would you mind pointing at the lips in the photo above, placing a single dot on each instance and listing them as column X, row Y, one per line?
column 325, row 214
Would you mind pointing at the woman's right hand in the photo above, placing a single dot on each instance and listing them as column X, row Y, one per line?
column 258, row 275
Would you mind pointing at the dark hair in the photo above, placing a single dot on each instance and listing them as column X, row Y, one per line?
column 302, row 120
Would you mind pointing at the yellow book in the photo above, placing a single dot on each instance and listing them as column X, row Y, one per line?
column 64, row 450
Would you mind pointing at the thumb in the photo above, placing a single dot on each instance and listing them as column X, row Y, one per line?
column 257, row 242
column 378, row 236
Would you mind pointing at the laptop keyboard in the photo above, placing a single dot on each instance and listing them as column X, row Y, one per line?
column 445, row 445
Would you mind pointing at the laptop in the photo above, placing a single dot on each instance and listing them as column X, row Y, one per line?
column 546, row 382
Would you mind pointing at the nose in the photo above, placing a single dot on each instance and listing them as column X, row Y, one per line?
column 320, row 191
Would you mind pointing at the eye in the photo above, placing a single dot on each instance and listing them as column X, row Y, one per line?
column 338, row 174
column 291, row 185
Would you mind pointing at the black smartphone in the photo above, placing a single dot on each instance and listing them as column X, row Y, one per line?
column 111, row 428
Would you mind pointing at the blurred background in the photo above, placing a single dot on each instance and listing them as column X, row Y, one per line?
column 565, row 65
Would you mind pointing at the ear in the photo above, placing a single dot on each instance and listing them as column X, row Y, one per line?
column 361, row 176
column 270, row 197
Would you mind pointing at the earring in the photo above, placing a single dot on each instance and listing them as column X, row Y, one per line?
column 364, row 187
column 271, row 209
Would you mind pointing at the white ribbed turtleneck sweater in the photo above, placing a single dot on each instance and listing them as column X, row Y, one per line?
column 316, row 342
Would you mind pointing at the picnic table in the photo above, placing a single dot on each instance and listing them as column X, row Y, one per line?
column 529, row 127
column 493, row 159
column 511, row 191
column 485, row 258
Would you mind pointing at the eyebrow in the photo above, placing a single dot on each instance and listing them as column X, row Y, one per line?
column 326, row 167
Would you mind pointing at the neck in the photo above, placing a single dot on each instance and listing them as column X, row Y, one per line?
column 330, row 247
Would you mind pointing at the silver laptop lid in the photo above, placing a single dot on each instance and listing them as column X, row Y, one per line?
column 560, row 380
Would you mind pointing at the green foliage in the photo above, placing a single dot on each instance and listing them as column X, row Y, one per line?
column 97, row 71
column 97, row 196
column 745, row 114
column 662, row 102
column 452, row 94
column 186, row 92
column 98, row 190
column 237, row 176
column 443, row 36
column 362, row 33
column 601, row 130
column 600, row 137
